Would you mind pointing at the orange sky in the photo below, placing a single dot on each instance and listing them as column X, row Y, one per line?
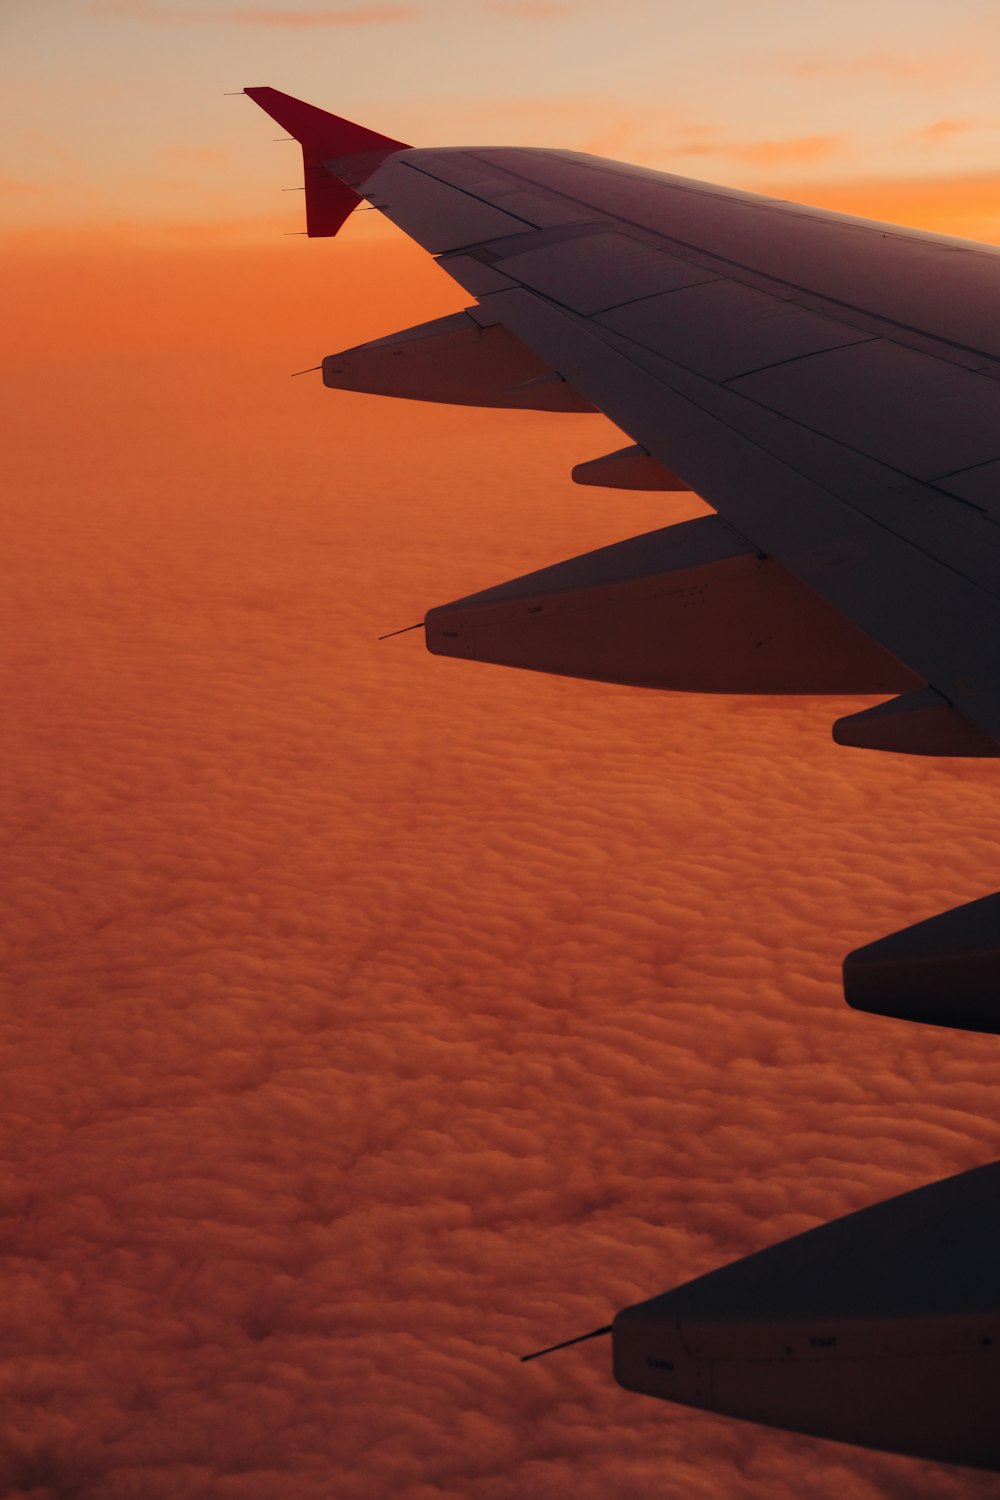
column 373, row 1017
column 116, row 110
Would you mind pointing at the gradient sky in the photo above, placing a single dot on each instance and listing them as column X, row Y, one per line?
column 369, row 1017
column 115, row 108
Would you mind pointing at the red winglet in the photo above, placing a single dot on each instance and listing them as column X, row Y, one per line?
column 335, row 154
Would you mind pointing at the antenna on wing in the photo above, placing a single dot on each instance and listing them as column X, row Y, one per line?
column 418, row 626
column 581, row 1338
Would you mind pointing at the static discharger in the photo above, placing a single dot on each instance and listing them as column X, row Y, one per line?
column 418, row 626
column 581, row 1338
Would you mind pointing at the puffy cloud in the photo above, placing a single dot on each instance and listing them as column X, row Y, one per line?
column 373, row 1017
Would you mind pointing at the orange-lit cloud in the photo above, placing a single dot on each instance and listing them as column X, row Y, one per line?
column 945, row 130
column 895, row 67
column 349, row 15
column 967, row 206
column 534, row 10
column 795, row 151
column 371, row 1017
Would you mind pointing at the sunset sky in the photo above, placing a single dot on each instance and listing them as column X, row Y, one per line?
column 371, row 1018
column 116, row 111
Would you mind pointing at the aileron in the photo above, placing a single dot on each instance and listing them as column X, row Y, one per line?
column 594, row 272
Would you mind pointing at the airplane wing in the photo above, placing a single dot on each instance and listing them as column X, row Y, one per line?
column 830, row 386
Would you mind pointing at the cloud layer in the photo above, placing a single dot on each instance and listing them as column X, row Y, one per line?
column 373, row 1018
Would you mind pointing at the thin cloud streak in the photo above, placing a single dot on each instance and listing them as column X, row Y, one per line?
column 966, row 205
column 356, row 15
column 533, row 10
column 916, row 68
column 942, row 131
column 796, row 150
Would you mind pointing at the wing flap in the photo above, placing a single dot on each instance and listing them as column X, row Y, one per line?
column 593, row 272
column 690, row 608
column 949, row 419
column 722, row 329
column 979, row 486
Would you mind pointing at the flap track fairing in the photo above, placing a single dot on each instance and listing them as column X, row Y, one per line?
column 628, row 469
column 455, row 359
column 944, row 971
column 918, row 723
column 690, row 608
column 881, row 1328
